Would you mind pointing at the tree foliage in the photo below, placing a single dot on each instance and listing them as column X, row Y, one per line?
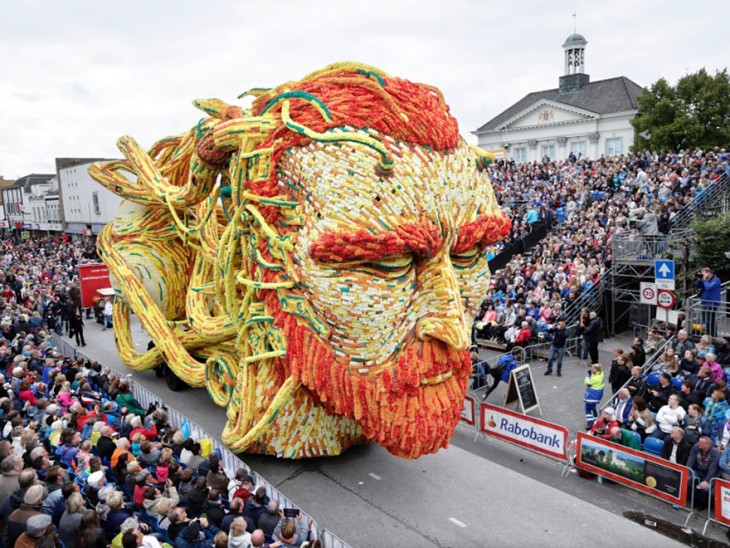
column 694, row 113
column 711, row 244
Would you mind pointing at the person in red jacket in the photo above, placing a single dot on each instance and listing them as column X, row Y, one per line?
column 150, row 434
column 602, row 427
column 523, row 337
column 25, row 393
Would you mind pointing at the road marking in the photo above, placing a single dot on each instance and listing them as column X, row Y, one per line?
column 457, row 522
column 375, row 476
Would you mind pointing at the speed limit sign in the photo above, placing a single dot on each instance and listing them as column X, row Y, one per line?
column 648, row 293
column 665, row 299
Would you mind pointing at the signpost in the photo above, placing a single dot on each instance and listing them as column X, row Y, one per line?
column 665, row 299
column 521, row 389
column 664, row 274
column 648, row 293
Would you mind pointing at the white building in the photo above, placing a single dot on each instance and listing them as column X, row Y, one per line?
column 16, row 199
column 86, row 205
column 41, row 201
column 587, row 118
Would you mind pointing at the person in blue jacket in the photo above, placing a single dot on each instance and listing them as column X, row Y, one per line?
column 710, row 299
column 501, row 371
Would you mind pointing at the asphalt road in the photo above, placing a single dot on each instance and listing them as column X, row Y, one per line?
column 482, row 493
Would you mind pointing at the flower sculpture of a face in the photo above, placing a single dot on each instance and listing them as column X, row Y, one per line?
column 314, row 261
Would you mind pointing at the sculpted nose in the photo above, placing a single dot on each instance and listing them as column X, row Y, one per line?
column 441, row 311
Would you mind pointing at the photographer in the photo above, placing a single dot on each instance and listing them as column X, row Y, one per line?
column 710, row 299
column 557, row 348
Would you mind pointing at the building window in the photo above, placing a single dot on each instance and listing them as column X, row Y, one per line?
column 520, row 155
column 97, row 207
column 614, row 146
column 579, row 148
column 549, row 151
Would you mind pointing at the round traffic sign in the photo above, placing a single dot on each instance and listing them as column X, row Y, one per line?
column 648, row 293
column 665, row 298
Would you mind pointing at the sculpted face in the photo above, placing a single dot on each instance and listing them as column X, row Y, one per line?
column 323, row 254
column 394, row 267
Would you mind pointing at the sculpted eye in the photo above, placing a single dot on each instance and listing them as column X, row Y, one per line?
column 466, row 260
column 390, row 267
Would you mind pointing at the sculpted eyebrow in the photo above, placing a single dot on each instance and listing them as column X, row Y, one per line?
column 421, row 239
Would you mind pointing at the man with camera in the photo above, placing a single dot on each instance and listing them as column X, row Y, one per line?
column 710, row 298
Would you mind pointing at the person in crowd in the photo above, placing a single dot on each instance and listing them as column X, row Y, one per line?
column 70, row 523
column 703, row 384
column 682, row 343
column 637, row 383
column 676, row 449
column 637, row 352
column 641, row 419
column 623, row 406
column 238, row 536
column 256, row 505
column 704, row 461
column 688, row 365
column 91, row 534
column 668, row 417
column 593, row 335
column 625, row 437
column 659, row 394
column 704, row 347
column 716, row 407
column 603, row 425
column 688, row 396
column 619, row 374
column 557, row 347
column 696, row 424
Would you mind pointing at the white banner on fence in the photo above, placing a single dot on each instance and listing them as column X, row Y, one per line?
column 536, row 434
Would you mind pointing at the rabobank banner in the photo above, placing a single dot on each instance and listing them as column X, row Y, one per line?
column 536, row 434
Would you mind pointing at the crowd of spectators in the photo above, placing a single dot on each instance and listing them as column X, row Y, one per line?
column 584, row 203
column 82, row 464
column 679, row 410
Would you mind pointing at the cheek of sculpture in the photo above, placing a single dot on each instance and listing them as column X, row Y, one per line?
column 368, row 314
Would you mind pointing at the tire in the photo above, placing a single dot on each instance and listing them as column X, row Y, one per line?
column 160, row 370
column 173, row 382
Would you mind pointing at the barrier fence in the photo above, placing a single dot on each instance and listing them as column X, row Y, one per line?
column 230, row 461
column 719, row 511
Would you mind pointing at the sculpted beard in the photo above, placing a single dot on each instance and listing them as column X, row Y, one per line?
column 410, row 408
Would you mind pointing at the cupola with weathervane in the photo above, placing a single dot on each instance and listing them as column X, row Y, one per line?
column 575, row 60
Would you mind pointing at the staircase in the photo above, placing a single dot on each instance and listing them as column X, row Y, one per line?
column 714, row 200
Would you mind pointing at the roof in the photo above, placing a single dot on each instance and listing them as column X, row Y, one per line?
column 602, row 97
column 577, row 39
column 33, row 179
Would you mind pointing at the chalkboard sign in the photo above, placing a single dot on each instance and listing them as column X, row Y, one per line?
column 521, row 389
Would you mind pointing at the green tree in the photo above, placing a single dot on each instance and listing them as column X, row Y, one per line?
column 694, row 113
column 711, row 244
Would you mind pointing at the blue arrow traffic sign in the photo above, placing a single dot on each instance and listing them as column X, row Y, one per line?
column 664, row 269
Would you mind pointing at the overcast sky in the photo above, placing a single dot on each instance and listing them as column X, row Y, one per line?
column 76, row 75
